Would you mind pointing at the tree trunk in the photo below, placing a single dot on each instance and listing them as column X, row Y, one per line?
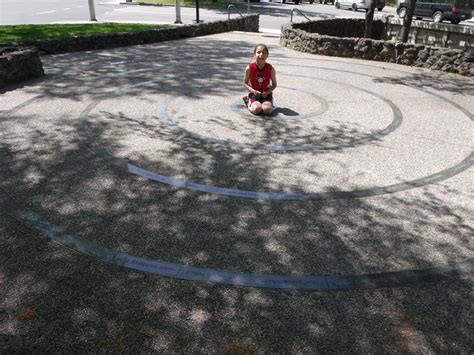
column 369, row 19
column 407, row 21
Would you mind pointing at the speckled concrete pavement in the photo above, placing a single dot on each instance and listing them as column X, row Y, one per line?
column 138, row 197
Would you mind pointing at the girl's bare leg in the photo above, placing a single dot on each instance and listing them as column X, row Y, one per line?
column 267, row 108
column 255, row 108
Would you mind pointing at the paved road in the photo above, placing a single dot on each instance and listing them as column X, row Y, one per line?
column 273, row 15
column 137, row 195
column 47, row 11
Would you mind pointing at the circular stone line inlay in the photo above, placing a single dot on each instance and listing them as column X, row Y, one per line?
column 364, row 139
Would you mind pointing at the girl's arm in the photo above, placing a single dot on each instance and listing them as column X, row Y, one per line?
column 246, row 82
column 274, row 84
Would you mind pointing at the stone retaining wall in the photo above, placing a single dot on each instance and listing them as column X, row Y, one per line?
column 325, row 42
column 341, row 27
column 249, row 23
column 19, row 64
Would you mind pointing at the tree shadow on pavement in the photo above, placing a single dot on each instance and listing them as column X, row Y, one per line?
column 438, row 82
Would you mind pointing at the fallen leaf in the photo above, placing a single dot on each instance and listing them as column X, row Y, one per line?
column 27, row 314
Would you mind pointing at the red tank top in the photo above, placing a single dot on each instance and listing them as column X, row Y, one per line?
column 260, row 79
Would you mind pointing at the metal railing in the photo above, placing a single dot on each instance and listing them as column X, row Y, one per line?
column 301, row 13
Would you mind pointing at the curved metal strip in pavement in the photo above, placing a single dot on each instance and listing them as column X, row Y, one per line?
column 364, row 139
column 185, row 272
column 459, row 107
column 282, row 196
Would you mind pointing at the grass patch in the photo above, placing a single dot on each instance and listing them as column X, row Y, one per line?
column 35, row 32
column 209, row 4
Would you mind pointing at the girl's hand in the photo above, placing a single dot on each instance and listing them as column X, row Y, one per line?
column 257, row 93
column 264, row 94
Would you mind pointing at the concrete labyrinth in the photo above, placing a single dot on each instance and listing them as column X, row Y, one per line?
column 144, row 157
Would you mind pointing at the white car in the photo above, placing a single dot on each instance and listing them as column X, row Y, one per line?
column 358, row 4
